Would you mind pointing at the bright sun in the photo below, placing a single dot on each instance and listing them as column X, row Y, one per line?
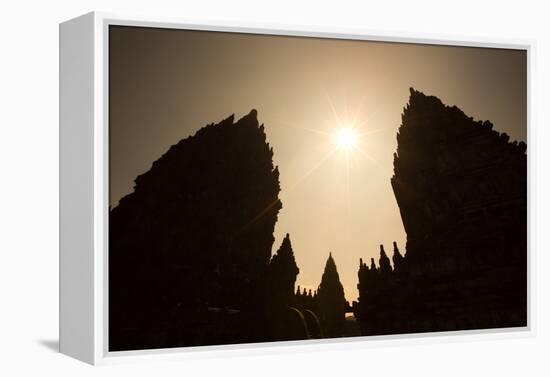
column 346, row 138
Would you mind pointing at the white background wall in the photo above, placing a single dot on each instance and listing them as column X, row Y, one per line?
column 29, row 184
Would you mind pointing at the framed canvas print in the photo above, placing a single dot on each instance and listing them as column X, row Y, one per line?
column 225, row 188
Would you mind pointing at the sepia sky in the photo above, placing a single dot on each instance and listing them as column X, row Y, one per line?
column 166, row 84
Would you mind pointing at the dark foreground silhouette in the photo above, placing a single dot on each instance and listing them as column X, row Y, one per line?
column 190, row 249
column 462, row 191
column 190, row 259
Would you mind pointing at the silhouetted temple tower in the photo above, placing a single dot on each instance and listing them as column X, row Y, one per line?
column 453, row 177
column 282, row 274
column 461, row 188
column 189, row 249
column 331, row 300
column 397, row 258
column 385, row 266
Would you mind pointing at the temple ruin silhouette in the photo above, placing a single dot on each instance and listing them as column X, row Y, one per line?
column 190, row 249
column 331, row 301
column 190, row 259
column 461, row 188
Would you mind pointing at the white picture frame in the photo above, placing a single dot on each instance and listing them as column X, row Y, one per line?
column 84, row 191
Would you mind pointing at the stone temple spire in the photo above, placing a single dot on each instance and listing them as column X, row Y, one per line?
column 385, row 266
column 331, row 300
column 397, row 257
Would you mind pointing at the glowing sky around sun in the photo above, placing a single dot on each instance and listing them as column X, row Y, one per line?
column 346, row 138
